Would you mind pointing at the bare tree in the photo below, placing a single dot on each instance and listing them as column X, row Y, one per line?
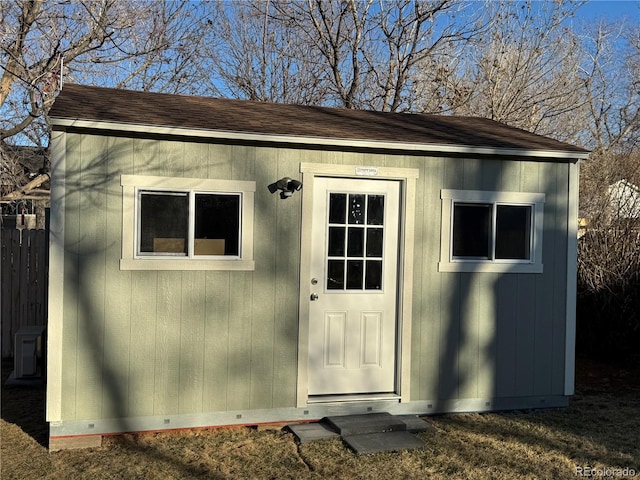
column 162, row 51
column 107, row 41
column 142, row 44
column 612, row 93
column 631, row 110
column 609, row 254
column 609, row 250
column 336, row 30
column 612, row 124
column 418, row 35
column 352, row 54
column 250, row 54
column 523, row 71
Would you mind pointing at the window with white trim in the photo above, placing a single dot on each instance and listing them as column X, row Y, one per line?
column 491, row 231
column 187, row 224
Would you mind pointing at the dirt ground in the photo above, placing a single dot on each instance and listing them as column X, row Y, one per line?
column 599, row 434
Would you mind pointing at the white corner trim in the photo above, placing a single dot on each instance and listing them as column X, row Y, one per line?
column 305, row 140
column 572, row 281
column 56, row 278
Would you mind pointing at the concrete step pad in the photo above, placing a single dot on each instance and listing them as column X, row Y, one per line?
column 309, row 432
column 366, row 433
column 382, row 442
column 415, row 424
column 366, row 423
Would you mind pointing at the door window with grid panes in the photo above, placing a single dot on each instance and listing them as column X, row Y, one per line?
column 355, row 234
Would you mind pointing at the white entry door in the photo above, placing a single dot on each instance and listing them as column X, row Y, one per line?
column 354, row 266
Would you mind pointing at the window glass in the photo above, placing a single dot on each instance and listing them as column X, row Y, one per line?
column 472, row 230
column 355, row 244
column 217, row 224
column 373, row 276
column 375, row 209
column 355, row 241
column 337, row 208
column 374, row 242
column 165, row 218
column 164, row 223
column 335, row 275
column 355, row 269
column 336, row 241
column 356, row 208
column 513, row 232
column 176, row 223
column 498, row 232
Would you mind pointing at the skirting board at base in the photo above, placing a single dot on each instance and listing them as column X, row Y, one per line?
column 313, row 412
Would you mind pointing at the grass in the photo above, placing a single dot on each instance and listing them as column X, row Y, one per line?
column 600, row 430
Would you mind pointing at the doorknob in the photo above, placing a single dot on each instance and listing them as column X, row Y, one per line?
column 314, row 297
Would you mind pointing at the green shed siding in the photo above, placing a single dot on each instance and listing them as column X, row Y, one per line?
column 486, row 335
column 149, row 343
column 141, row 343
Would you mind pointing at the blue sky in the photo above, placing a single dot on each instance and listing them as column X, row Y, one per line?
column 611, row 9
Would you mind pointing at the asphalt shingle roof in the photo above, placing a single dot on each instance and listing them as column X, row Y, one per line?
column 80, row 102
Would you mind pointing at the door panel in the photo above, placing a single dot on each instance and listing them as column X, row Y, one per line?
column 371, row 337
column 334, row 339
column 354, row 263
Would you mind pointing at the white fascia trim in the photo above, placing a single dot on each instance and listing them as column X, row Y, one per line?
column 334, row 142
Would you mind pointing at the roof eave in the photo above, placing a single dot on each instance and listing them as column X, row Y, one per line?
column 63, row 123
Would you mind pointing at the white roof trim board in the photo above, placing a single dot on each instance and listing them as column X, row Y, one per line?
column 300, row 140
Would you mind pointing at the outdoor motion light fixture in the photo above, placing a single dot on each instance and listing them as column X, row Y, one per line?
column 286, row 185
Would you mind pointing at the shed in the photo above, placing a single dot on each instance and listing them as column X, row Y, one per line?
column 219, row 262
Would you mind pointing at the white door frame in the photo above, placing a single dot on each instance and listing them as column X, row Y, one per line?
column 352, row 331
column 407, row 177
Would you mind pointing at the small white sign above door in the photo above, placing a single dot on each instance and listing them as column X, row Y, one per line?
column 367, row 171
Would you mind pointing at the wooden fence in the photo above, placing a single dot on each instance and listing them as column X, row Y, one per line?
column 24, row 279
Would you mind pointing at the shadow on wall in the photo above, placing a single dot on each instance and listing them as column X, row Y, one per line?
column 144, row 342
column 135, row 352
column 503, row 334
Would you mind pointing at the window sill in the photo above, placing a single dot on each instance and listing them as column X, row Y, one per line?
column 490, row 267
column 184, row 264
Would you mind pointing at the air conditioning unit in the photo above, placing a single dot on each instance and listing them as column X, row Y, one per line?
column 27, row 351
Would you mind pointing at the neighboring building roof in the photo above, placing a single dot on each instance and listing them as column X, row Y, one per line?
column 115, row 109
